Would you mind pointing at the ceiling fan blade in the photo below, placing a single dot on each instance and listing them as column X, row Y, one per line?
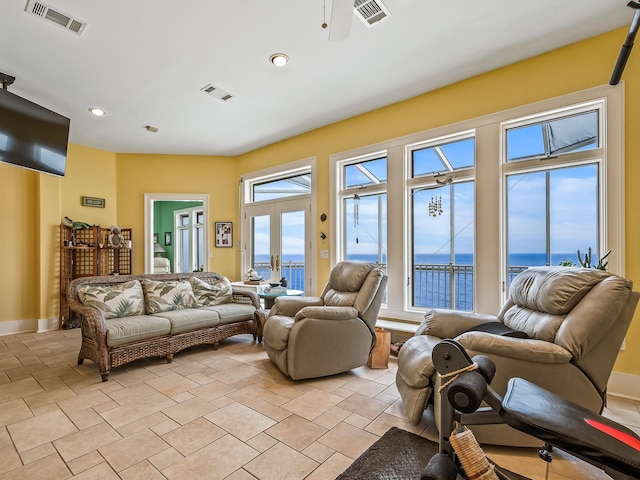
column 341, row 17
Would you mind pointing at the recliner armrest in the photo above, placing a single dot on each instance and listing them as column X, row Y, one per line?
column 327, row 313
column 451, row 323
column 526, row 349
column 290, row 306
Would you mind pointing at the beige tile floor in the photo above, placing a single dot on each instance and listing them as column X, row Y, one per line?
column 211, row 414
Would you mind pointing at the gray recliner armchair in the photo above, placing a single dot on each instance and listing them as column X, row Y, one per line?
column 575, row 320
column 308, row 337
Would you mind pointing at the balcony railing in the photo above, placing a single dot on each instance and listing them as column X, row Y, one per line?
column 292, row 271
column 443, row 286
column 434, row 285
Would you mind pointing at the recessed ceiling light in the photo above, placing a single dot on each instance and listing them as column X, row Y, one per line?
column 98, row 112
column 279, row 59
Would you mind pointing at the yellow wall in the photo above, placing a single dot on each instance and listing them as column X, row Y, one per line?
column 573, row 68
column 28, row 206
column 215, row 176
column 90, row 173
column 48, row 262
column 19, row 247
column 33, row 205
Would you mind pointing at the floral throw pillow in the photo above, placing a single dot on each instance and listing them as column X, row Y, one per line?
column 166, row 296
column 215, row 293
column 114, row 301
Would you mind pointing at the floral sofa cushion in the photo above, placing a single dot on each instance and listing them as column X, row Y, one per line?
column 114, row 301
column 208, row 294
column 168, row 295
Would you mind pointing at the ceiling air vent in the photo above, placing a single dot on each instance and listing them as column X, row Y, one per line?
column 370, row 11
column 56, row 17
column 217, row 92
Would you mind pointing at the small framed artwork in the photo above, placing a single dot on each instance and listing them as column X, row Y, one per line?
column 93, row 202
column 224, row 234
column 167, row 239
column 155, row 238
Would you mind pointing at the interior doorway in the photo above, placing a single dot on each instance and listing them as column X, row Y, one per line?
column 168, row 235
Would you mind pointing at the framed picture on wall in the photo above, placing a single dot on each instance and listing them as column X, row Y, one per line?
column 167, row 239
column 224, row 234
column 155, row 238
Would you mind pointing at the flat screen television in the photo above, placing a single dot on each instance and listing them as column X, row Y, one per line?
column 32, row 136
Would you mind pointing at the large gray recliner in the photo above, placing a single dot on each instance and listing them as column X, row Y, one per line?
column 308, row 337
column 576, row 319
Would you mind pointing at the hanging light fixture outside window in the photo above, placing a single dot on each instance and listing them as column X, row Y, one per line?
column 435, row 206
column 356, row 215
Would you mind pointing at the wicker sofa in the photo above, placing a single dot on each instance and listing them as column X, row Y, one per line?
column 128, row 317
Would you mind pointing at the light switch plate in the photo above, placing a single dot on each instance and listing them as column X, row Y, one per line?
column 324, row 253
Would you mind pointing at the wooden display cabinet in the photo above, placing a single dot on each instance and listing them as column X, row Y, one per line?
column 86, row 253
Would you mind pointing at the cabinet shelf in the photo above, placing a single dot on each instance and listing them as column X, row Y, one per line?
column 94, row 257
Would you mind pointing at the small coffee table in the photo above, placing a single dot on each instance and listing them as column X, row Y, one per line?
column 270, row 298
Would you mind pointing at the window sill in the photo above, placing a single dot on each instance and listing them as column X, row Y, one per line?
column 397, row 326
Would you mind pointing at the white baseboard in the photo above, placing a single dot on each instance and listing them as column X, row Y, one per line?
column 11, row 327
column 624, row 385
column 47, row 324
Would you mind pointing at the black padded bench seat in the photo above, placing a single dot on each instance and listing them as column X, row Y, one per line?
column 570, row 427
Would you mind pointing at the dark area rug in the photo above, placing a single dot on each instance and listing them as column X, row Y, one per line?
column 397, row 455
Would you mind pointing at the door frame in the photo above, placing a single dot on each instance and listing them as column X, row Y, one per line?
column 275, row 209
column 177, row 243
column 246, row 182
column 149, row 199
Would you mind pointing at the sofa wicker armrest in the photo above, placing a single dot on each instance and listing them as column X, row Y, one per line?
column 92, row 316
column 246, row 297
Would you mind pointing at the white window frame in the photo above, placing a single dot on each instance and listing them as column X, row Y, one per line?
column 294, row 168
column 345, row 193
column 489, row 191
column 466, row 174
column 593, row 156
column 192, row 227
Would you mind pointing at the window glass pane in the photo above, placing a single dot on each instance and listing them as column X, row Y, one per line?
column 526, row 222
column 551, row 214
column 444, row 158
column 365, row 227
column 200, row 248
column 261, row 245
column 524, row 142
column 369, row 172
column 292, row 244
column 184, row 219
column 199, row 217
column 573, row 212
column 443, row 246
column 572, row 133
column 185, row 265
column 282, row 188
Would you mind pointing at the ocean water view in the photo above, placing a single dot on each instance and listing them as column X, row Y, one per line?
column 436, row 283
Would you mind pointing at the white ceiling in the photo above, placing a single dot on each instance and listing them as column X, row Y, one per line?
column 145, row 61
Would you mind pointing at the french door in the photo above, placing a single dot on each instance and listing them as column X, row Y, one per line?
column 189, row 244
column 278, row 243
